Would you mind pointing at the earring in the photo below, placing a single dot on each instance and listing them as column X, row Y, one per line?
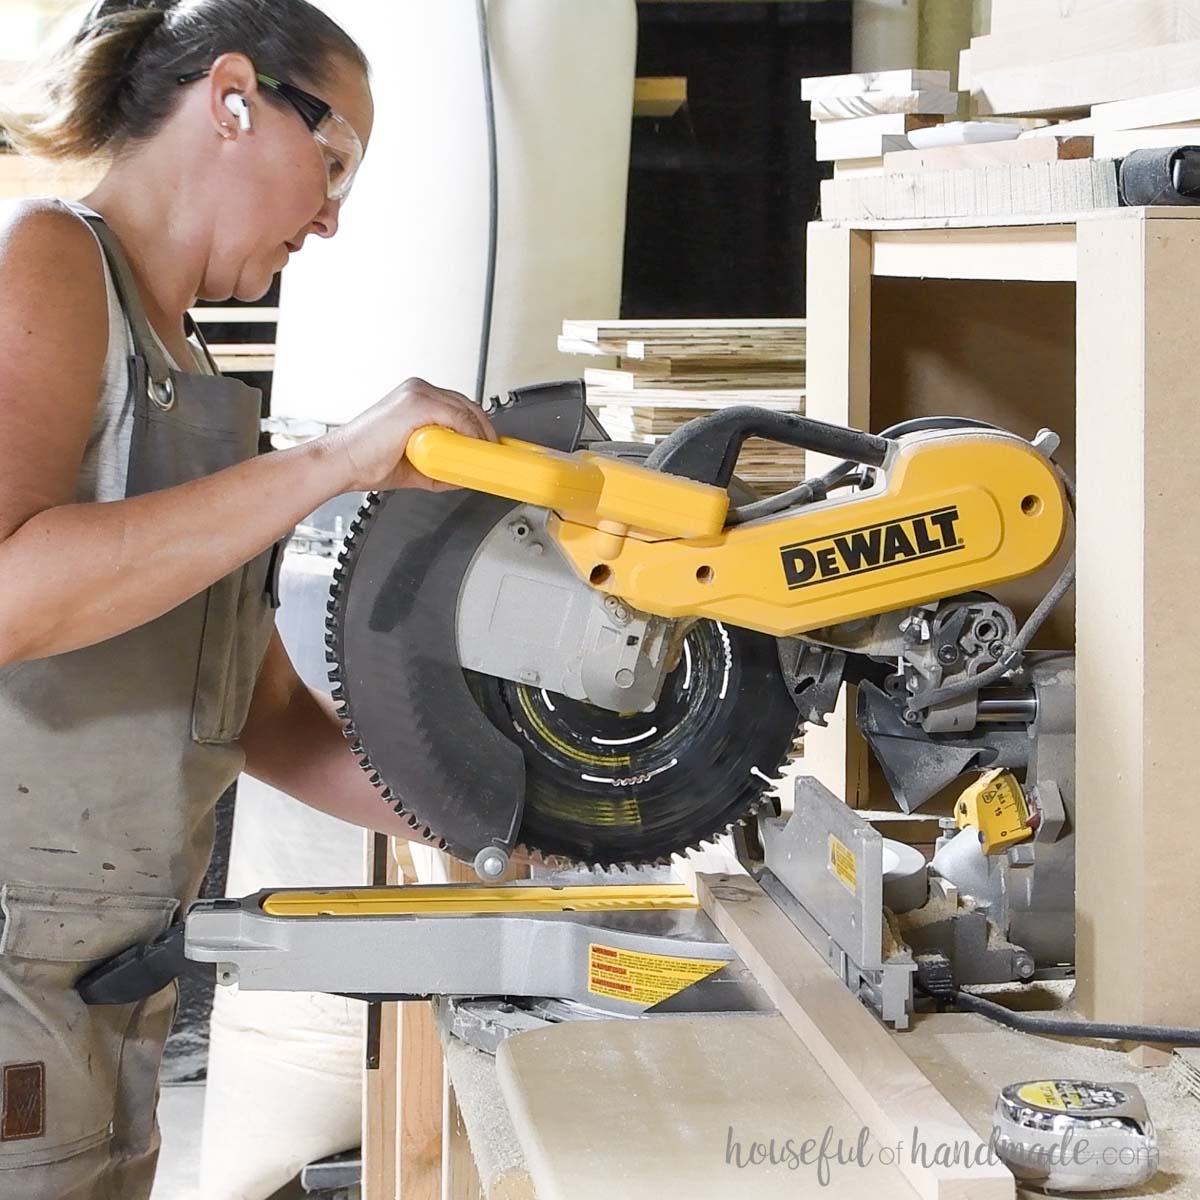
column 226, row 131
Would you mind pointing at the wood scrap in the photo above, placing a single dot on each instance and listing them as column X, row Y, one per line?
column 659, row 95
column 707, row 381
column 865, row 137
column 851, row 168
column 824, row 87
column 1119, row 25
column 1073, row 85
column 988, row 154
column 1008, row 15
column 870, row 104
column 885, row 1088
column 1080, row 185
column 1123, row 141
column 1166, row 108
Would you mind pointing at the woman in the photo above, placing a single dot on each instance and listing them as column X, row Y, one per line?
column 139, row 667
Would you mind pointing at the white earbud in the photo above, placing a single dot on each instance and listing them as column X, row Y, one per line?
column 240, row 109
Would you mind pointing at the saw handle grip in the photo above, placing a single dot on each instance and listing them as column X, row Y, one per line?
column 513, row 469
column 585, row 488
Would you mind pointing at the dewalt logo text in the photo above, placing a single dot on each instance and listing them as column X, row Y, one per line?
column 871, row 548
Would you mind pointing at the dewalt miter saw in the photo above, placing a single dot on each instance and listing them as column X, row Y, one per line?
column 603, row 653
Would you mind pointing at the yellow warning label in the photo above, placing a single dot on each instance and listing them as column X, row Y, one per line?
column 643, row 978
column 843, row 863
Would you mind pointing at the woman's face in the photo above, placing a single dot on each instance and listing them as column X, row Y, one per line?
column 276, row 180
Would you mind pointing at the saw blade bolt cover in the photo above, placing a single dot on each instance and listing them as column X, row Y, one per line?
column 490, row 863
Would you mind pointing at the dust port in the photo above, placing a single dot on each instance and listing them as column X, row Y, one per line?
column 705, row 575
column 600, row 575
column 1032, row 506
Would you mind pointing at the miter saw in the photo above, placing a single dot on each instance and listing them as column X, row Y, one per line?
column 603, row 653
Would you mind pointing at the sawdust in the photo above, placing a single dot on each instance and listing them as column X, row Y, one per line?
column 493, row 1139
column 939, row 908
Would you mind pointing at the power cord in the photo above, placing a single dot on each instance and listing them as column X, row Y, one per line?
column 489, row 293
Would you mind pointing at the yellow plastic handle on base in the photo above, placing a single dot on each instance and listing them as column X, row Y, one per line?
column 584, row 488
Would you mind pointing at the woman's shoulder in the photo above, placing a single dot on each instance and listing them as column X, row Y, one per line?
column 44, row 244
column 44, row 224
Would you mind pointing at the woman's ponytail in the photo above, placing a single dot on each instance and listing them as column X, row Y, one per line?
column 83, row 84
column 117, row 81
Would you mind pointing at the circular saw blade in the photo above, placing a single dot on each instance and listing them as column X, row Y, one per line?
column 599, row 788
column 611, row 788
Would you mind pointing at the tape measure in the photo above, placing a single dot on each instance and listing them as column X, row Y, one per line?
column 1070, row 1135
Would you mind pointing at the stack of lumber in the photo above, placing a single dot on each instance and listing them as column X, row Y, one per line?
column 859, row 118
column 880, row 176
column 1063, row 56
column 669, row 372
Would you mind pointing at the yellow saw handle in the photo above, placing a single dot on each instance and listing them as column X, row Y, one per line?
column 588, row 489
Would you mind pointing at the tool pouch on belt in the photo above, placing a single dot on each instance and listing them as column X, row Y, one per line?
column 64, row 1065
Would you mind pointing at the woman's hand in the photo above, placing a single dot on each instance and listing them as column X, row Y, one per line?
column 373, row 445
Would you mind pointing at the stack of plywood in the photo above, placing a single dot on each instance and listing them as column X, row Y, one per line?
column 861, row 117
column 669, row 372
column 1063, row 56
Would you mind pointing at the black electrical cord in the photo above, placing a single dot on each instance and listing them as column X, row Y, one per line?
column 489, row 293
column 1049, row 1026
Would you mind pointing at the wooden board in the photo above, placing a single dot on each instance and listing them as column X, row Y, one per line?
column 1168, row 108
column 865, row 137
column 674, row 1107
column 1075, row 84
column 1122, row 141
column 1009, row 15
column 870, row 104
column 823, row 87
column 850, row 168
column 785, row 399
column 1120, row 25
column 1049, row 187
column 878, row 1080
column 730, row 379
column 659, row 96
column 988, row 154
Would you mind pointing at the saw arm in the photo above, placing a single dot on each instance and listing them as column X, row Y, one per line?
column 949, row 512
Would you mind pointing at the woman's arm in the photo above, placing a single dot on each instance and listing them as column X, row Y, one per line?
column 294, row 742
column 78, row 574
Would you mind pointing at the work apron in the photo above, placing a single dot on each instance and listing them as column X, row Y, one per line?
column 112, row 759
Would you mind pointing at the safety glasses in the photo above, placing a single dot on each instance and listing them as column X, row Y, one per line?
column 341, row 147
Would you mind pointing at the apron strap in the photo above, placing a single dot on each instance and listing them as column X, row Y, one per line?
column 160, row 385
column 193, row 331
